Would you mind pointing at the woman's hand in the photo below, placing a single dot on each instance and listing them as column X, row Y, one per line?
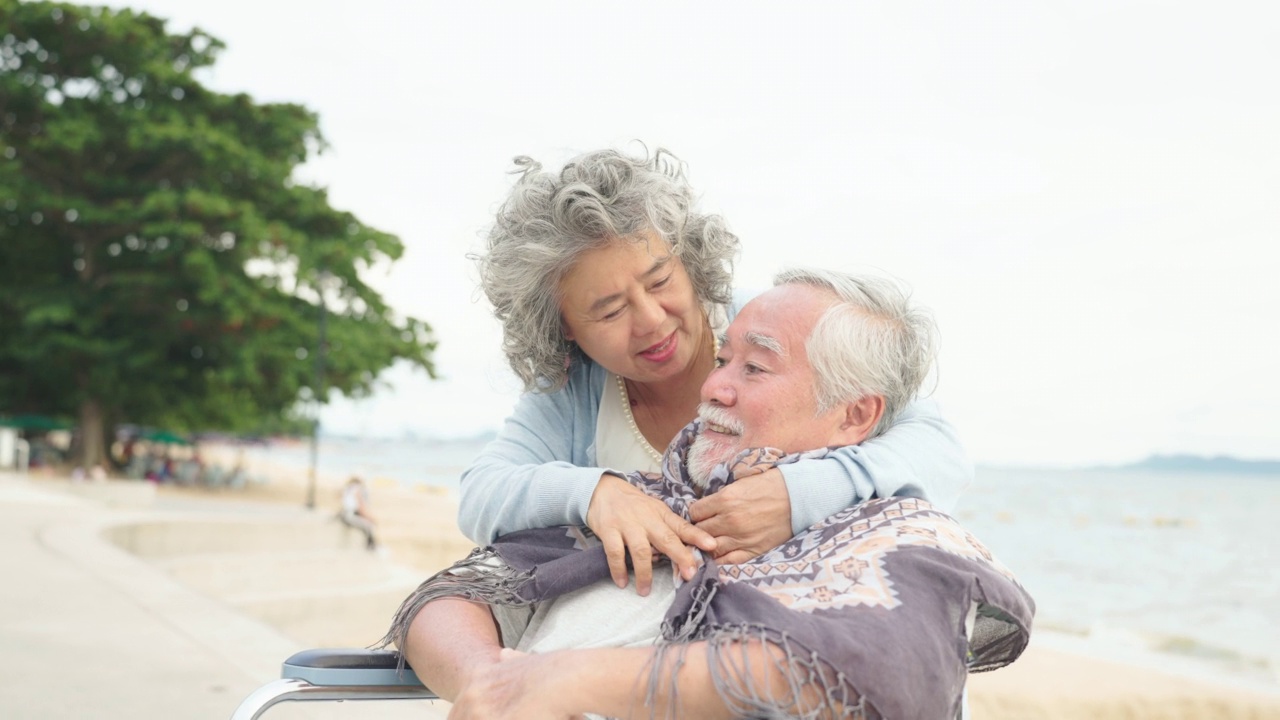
column 627, row 520
column 746, row 517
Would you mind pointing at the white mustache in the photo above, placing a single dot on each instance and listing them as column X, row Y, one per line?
column 715, row 415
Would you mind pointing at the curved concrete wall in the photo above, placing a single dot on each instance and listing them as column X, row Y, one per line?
column 311, row 578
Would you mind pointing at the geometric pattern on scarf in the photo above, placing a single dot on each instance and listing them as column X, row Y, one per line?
column 816, row 570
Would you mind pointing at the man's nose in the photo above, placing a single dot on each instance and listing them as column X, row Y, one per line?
column 717, row 390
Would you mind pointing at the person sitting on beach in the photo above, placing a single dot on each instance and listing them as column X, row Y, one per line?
column 355, row 510
column 877, row 611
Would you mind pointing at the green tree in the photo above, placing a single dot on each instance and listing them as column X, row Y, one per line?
column 158, row 262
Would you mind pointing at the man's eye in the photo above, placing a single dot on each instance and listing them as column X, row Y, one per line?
column 721, row 362
column 752, row 369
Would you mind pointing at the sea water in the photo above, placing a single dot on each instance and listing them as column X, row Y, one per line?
column 1182, row 566
column 1185, row 565
column 438, row 463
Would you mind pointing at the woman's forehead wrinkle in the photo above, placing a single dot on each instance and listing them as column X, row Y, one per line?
column 600, row 304
column 658, row 264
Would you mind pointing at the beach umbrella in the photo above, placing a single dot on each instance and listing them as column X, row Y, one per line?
column 164, row 437
column 34, row 422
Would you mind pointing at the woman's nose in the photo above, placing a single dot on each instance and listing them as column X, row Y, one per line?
column 648, row 315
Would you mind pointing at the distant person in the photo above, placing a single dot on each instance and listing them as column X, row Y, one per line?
column 355, row 510
column 879, row 610
column 97, row 473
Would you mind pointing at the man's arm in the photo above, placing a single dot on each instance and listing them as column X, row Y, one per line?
column 451, row 641
column 614, row 682
column 362, row 505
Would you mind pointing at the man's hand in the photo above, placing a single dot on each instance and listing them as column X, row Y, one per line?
column 627, row 520
column 746, row 517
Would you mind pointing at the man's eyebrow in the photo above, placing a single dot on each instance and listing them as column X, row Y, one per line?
column 657, row 267
column 767, row 342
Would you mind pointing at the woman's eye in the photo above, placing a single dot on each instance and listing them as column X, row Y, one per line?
column 662, row 283
column 613, row 315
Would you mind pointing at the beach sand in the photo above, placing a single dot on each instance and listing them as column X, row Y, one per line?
column 417, row 527
column 1048, row 685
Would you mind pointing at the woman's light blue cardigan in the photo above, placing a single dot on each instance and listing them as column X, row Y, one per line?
column 541, row 469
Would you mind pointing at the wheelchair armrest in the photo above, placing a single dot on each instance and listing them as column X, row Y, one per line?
column 337, row 674
column 348, row 667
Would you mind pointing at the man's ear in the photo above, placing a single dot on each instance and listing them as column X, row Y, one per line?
column 860, row 418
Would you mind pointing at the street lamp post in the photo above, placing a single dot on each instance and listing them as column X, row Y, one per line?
column 319, row 383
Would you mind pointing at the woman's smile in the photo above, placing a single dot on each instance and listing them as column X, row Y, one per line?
column 663, row 351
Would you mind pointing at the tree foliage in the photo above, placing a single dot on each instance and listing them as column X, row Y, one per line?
column 158, row 262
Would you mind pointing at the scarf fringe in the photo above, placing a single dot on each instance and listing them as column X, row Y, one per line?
column 481, row 577
column 794, row 682
column 814, row 689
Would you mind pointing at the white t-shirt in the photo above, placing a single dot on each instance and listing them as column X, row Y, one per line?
column 353, row 496
column 602, row 614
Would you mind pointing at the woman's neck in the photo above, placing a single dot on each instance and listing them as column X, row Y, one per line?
column 662, row 409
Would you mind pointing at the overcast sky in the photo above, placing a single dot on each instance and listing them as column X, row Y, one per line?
column 1086, row 194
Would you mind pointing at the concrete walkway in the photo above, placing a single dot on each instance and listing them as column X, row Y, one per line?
column 90, row 630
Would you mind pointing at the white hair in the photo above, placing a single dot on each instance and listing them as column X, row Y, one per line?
column 871, row 341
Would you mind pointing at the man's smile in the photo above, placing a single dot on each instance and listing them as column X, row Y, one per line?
column 716, row 420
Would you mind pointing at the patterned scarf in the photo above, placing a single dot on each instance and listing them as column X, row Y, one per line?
column 879, row 611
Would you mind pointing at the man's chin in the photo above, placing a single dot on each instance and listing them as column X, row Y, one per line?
column 703, row 457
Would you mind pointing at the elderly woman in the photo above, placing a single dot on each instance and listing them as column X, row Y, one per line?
column 612, row 289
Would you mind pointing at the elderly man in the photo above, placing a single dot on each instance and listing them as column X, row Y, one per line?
column 878, row 611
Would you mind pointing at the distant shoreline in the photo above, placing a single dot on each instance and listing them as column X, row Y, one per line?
column 1202, row 464
column 1190, row 464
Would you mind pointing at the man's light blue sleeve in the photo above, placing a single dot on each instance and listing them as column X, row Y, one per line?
column 919, row 456
column 530, row 475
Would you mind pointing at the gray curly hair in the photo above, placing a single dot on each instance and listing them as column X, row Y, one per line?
column 550, row 219
column 872, row 342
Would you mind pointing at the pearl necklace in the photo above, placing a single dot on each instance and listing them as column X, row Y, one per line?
column 631, row 419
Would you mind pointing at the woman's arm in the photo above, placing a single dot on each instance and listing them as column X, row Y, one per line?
column 918, row 456
column 537, row 473
column 534, row 473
